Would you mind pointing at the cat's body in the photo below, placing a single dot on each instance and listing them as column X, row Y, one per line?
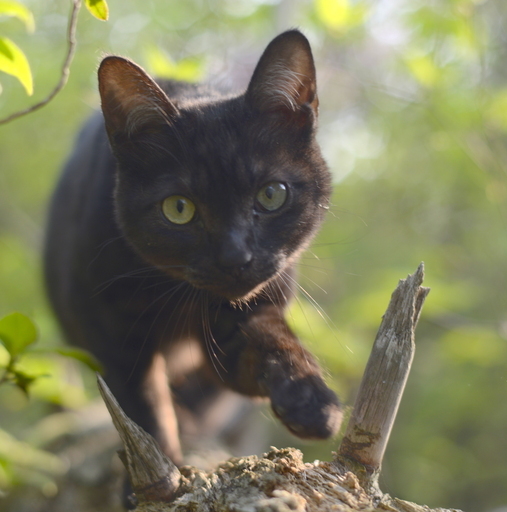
column 190, row 232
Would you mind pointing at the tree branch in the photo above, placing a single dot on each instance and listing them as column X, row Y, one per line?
column 64, row 75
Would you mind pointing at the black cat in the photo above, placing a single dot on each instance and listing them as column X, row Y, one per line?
column 180, row 216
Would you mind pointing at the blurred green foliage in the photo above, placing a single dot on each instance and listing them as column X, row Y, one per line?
column 12, row 59
column 413, row 123
column 27, row 369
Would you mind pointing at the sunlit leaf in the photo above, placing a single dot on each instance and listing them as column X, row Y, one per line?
column 17, row 10
column 160, row 64
column 339, row 14
column 98, row 8
column 466, row 38
column 424, row 69
column 23, row 379
column 81, row 355
column 13, row 62
column 55, row 386
column 5, row 358
column 17, row 332
column 333, row 13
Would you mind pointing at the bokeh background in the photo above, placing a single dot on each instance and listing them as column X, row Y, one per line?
column 413, row 123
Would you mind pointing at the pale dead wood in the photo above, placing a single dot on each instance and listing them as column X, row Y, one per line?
column 385, row 376
column 152, row 474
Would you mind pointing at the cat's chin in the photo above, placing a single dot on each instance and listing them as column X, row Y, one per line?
column 235, row 295
column 234, row 291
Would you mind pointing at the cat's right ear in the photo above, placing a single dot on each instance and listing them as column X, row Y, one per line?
column 284, row 80
column 131, row 100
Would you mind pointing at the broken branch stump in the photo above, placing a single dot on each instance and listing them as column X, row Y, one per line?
column 152, row 474
column 385, row 377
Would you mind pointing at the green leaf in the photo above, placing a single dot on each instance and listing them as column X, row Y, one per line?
column 81, row 355
column 160, row 64
column 23, row 379
column 17, row 10
column 98, row 8
column 55, row 386
column 333, row 13
column 23, row 455
column 340, row 14
column 5, row 357
column 17, row 332
column 424, row 69
column 13, row 62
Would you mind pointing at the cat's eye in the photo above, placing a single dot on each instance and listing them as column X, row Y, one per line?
column 178, row 209
column 272, row 196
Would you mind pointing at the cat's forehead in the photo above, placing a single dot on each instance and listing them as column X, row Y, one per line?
column 220, row 145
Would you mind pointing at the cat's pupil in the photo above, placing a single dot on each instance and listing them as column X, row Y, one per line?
column 270, row 191
column 180, row 205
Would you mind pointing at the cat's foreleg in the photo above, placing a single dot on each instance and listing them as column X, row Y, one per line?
column 141, row 387
column 145, row 396
column 263, row 357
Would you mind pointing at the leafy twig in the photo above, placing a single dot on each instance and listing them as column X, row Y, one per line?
column 71, row 47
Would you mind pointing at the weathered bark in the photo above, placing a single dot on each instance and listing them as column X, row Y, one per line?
column 277, row 482
column 280, row 481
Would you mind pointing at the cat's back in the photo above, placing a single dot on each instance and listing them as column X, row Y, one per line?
column 80, row 222
column 83, row 194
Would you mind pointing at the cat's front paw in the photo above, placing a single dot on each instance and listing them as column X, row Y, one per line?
column 307, row 407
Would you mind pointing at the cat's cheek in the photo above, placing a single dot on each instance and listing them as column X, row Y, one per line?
column 171, row 262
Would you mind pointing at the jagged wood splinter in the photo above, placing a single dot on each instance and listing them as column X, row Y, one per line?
column 384, row 378
column 152, row 474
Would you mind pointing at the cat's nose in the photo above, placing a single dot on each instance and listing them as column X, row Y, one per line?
column 235, row 254
column 235, row 259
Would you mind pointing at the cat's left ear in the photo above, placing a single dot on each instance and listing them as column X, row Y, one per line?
column 284, row 79
column 131, row 100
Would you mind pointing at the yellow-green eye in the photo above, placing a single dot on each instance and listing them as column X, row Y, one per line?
column 272, row 196
column 178, row 209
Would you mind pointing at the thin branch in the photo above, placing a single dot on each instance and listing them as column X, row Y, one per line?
column 64, row 75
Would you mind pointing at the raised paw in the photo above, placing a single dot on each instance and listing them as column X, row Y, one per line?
column 307, row 407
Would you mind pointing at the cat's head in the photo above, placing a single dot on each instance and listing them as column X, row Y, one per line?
column 223, row 193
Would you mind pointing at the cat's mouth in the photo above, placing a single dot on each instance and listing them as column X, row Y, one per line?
column 232, row 291
column 233, row 288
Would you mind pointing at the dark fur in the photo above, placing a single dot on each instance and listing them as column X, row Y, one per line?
column 131, row 287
